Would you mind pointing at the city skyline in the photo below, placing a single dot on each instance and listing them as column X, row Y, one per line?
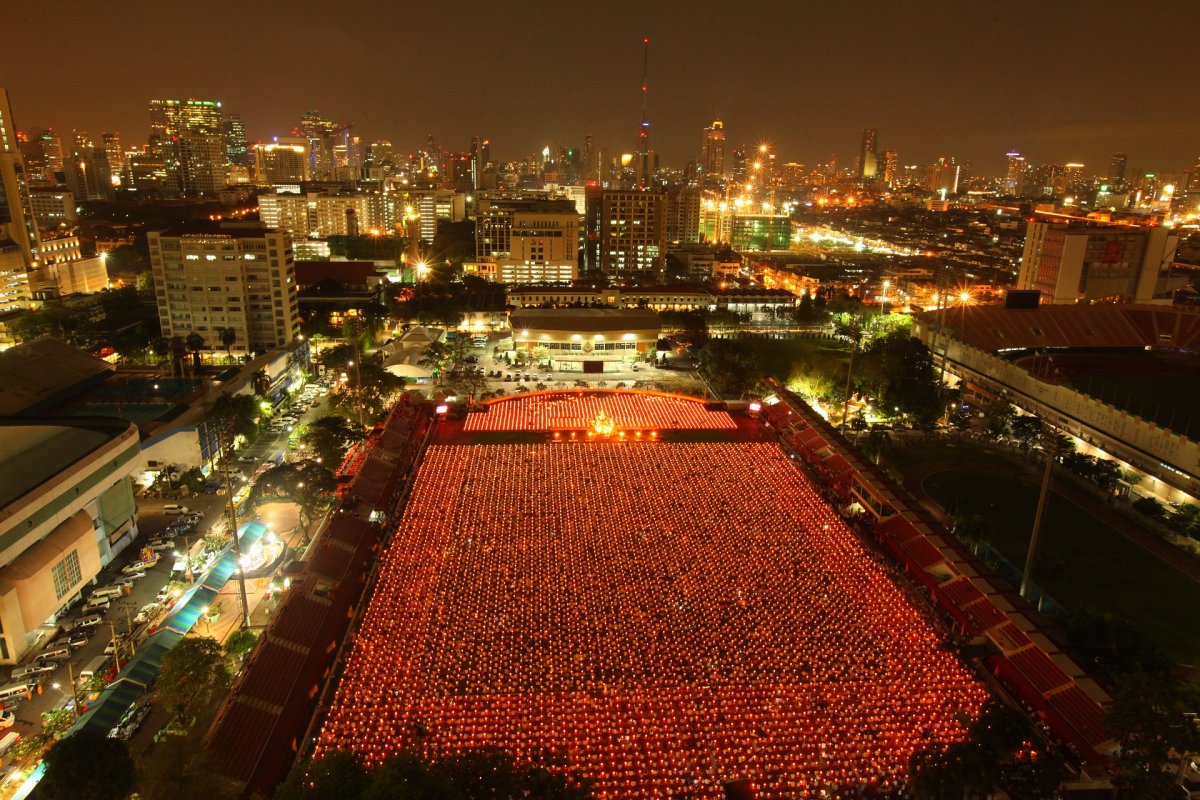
column 1011, row 78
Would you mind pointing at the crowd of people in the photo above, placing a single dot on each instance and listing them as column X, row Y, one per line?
column 666, row 616
column 576, row 411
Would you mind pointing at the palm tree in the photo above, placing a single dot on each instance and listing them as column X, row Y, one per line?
column 194, row 343
column 160, row 346
column 227, row 336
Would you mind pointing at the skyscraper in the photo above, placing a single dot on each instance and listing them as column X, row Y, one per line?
column 626, row 233
column 17, row 222
column 891, row 167
column 867, row 156
column 321, row 133
column 112, row 150
column 1014, row 173
column 189, row 137
column 714, row 148
column 234, row 131
column 1116, row 170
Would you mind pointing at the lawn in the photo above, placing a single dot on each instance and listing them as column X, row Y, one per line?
column 778, row 357
column 1083, row 562
column 941, row 450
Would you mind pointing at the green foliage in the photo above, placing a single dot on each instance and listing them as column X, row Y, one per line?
column 306, row 483
column 998, row 416
column 57, row 722
column 1148, row 506
column 1026, row 430
column 191, row 673
column 1148, row 721
column 896, row 371
column 180, row 768
column 970, row 768
column 329, row 437
column 729, row 366
column 338, row 356
column 29, row 746
column 87, row 766
column 1118, row 645
column 235, row 415
column 370, row 387
column 240, row 643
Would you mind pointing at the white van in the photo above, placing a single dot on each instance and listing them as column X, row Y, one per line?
column 97, row 604
column 110, row 592
column 19, row 689
column 28, row 671
column 89, row 621
column 55, row 652
column 175, row 510
column 97, row 665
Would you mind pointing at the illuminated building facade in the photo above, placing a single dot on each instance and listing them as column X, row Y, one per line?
column 526, row 240
column 867, row 155
column 714, row 149
column 284, row 161
column 189, row 136
column 626, row 232
column 1071, row 263
column 234, row 275
column 17, row 223
column 760, row 232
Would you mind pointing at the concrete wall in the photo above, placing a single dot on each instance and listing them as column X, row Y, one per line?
column 1162, row 454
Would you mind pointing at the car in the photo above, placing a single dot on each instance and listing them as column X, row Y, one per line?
column 134, row 568
column 246, row 458
column 78, row 639
column 131, row 720
column 129, row 579
column 146, row 612
column 7, row 719
column 175, row 510
column 31, row 670
column 160, row 545
column 88, row 621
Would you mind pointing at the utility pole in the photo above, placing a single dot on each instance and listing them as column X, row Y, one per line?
column 237, row 544
column 855, row 336
column 1050, row 442
column 116, row 643
column 74, row 689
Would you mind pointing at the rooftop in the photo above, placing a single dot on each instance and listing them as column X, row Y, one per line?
column 584, row 320
column 44, row 372
column 32, row 453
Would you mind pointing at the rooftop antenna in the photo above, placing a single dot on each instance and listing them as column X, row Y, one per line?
column 644, row 130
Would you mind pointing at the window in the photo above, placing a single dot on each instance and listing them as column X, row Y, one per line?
column 66, row 574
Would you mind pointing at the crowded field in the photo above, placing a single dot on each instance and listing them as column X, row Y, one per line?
column 666, row 617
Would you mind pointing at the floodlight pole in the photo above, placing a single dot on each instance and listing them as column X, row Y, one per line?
column 1050, row 439
column 233, row 520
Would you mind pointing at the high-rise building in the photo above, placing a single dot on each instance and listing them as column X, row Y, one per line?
column 526, row 240
column 1071, row 182
column 626, row 233
column 188, row 135
column 53, row 207
column 867, row 156
column 232, row 275
column 942, row 176
column 714, row 149
column 115, row 156
column 738, row 164
column 1116, row 170
column 234, row 131
column 683, row 215
column 1014, row 173
column 321, row 133
column 1077, row 262
column 284, row 161
column 891, row 169
column 18, row 226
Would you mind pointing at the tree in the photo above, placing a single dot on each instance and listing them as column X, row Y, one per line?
column 239, row 644
column 227, row 337
column 897, row 372
column 235, row 415
column 1148, row 720
column 191, row 672
column 338, row 356
column 998, row 416
column 1117, row 645
column 87, row 766
column 306, row 483
column 729, row 366
column 1026, row 430
column 1148, row 506
column 57, row 722
column 194, row 343
column 181, row 768
column 329, row 437
column 369, row 386
column 160, row 346
column 337, row 776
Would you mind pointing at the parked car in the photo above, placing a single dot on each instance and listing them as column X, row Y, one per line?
column 87, row 621
column 160, row 545
column 78, row 638
column 130, row 721
column 7, row 719
column 175, row 510
column 146, row 612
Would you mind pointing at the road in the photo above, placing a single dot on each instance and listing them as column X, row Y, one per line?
column 56, row 686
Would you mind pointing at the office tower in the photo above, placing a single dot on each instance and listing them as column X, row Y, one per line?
column 188, row 136
column 738, row 164
column 1071, row 182
column 867, row 157
column 52, row 208
column 714, row 148
column 891, row 169
column 81, row 142
column 145, row 173
column 282, row 161
column 42, row 154
column 1077, row 262
column 626, row 233
column 232, row 275
column 683, row 215
column 527, row 240
column 87, row 174
column 1014, row 173
column 942, row 176
column 320, row 132
column 18, row 226
column 113, row 153
column 234, row 131
column 1116, row 170
column 381, row 154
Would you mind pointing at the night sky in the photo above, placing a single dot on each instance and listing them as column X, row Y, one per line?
column 1063, row 81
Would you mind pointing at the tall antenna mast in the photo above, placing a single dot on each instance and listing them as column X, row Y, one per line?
column 644, row 130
